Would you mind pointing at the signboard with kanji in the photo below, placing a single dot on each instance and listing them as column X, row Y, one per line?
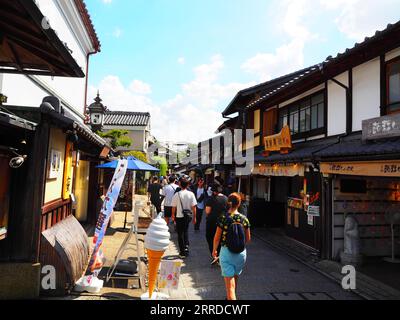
column 371, row 169
column 279, row 142
column 380, row 128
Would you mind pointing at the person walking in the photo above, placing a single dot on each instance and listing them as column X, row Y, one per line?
column 200, row 194
column 215, row 207
column 168, row 192
column 183, row 212
column 154, row 195
column 233, row 233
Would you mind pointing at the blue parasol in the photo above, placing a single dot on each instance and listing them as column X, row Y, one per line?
column 133, row 164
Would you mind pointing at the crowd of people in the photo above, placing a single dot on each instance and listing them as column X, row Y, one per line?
column 184, row 201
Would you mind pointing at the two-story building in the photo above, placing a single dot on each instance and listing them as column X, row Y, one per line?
column 47, row 152
column 137, row 124
column 319, row 156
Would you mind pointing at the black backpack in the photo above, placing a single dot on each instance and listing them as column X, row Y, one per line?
column 236, row 236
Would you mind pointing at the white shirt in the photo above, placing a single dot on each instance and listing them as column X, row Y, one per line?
column 200, row 191
column 188, row 201
column 168, row 192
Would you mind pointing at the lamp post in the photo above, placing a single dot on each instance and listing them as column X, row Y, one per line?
column 97, row 112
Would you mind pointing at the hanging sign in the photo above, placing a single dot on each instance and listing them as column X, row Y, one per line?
column 279, row 142
column 370, row 169
column 313, row 211
column 105, row 214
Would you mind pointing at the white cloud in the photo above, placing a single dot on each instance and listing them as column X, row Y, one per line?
column 289, row 57
column 181, row 60
column 117, row 32
column 360, row 18
column 286, row 59
column 193, row 115
column 107, row 1
column 140, row 87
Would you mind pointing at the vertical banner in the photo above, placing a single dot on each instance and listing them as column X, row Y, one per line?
column 105, row 214
column 67, row 181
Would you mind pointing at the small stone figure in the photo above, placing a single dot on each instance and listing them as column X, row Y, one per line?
column 352, row 243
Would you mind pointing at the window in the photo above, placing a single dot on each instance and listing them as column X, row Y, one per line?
column 393, row 86
column 304, row 117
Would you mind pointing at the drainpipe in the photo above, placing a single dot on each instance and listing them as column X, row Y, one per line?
column 87, row 82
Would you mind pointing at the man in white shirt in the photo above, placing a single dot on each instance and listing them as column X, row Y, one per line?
column 183, row 200
column 168, row 192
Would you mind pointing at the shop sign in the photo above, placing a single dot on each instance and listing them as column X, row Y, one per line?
column 380, row 128
column 279, row 142
column 313, row 211
column 295, row 203
column 370, row 169
column 279, row 170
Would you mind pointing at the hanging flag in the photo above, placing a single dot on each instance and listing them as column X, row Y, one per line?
column 96, row 260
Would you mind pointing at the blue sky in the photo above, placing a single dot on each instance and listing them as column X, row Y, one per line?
column 184, row 60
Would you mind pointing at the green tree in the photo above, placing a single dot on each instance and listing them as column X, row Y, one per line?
column 162, row 164
column 118, row 138
column 137, row 154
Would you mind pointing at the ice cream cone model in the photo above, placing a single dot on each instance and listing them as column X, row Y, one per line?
column 156, row 242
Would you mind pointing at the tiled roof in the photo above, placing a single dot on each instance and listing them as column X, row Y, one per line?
column 301, row 152
column 87, row 20
column 355, row 147
column 328, row 61
column 122, row 118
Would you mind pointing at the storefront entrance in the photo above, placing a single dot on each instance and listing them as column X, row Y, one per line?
column 304, row 193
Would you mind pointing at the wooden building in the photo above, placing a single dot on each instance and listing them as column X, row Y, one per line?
column 41, row 148
column 328, row 170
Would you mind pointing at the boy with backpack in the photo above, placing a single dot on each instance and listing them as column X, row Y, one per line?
column 233, row 233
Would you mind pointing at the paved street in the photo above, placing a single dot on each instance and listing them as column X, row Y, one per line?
column 269, row 275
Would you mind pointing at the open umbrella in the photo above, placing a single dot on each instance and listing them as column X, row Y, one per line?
column 134, row 165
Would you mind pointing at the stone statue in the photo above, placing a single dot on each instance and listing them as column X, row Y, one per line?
column 352, row 243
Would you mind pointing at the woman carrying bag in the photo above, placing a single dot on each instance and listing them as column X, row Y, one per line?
column 233, row 233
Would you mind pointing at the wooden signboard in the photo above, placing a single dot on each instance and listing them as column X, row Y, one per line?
column 370, row 169
column 279, row 170
column 279, row 142
column 381, row 128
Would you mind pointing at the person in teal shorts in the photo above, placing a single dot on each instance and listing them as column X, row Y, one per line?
column 232, row 264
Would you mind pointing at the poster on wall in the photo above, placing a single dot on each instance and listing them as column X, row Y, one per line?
column 313, row 211
column 55, row 164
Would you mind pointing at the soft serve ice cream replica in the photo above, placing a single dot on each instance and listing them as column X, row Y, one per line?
column 156, row 241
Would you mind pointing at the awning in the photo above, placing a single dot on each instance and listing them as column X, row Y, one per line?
column 28, row 45
column 369, row 169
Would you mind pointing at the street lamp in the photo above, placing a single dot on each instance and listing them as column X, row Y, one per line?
column 97, row 112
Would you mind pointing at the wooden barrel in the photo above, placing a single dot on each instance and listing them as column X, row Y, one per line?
column 64, row 246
